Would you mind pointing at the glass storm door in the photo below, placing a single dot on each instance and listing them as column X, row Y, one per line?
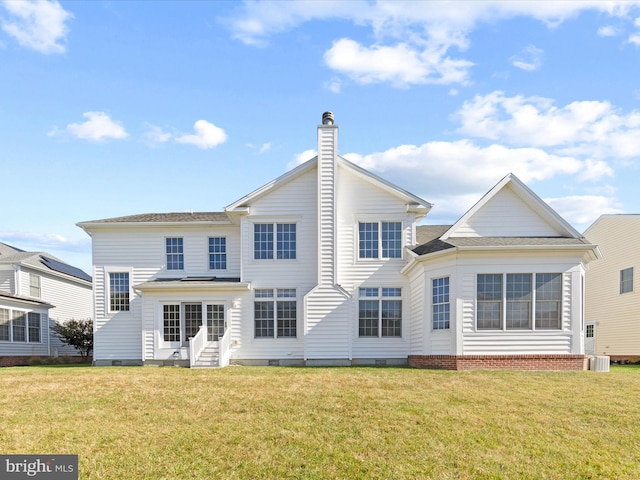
column 215, row 322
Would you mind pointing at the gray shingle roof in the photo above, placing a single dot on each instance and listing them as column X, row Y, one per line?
column 167, row 218
column 10, row 255
column 428, row 237
column 21, row 299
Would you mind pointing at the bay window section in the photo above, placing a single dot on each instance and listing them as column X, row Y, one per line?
column 548, row 300
column 5, row 325
column 510, row 301
column 33, row 321
column 440, row 307
column 19, row 326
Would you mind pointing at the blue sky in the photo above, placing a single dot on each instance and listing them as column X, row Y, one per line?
column 120, row 107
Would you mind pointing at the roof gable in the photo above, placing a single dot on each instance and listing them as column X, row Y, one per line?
column 511, row 209
column 416, row 202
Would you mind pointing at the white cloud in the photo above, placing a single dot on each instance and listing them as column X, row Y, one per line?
column 529, row 60
column 634, row 39
column 582, row 210
column 608, row 31
column 413, row 41
column 265, row 147
column 155, row 134
column 206, row 136
column 334, row 85
column 581, row 128
column 40, row 25
column 401, row 65
column 98, row 127
column 31, row 241
column 466, row 167
column 300, row 158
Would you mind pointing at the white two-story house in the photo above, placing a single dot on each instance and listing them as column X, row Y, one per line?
column 327, row 265
column 36, row 290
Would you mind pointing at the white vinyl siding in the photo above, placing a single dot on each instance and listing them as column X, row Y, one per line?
column 506, row 215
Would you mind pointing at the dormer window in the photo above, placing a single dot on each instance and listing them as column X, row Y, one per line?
column 380, row 240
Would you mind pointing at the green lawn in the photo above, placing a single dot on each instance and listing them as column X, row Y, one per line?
column 130, row 423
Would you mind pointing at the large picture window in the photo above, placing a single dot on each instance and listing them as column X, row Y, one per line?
column 275, row 312
column 506, row 301
column 380, row 240
column 380, row 312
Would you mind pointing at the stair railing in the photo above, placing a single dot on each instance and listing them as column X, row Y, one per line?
column 225, row 348
column 197, row 344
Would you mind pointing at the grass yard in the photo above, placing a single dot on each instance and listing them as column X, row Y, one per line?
column 129, row 423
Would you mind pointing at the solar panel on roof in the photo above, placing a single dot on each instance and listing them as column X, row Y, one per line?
column 61, row 267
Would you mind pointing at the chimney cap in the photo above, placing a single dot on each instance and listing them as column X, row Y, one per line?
column 327, row 118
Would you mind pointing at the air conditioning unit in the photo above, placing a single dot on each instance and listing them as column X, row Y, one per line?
column 599, row 363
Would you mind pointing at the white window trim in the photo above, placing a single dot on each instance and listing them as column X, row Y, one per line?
column 43, row 317
column 165, row 263
column 373, row 218
column 437, row 330
column 503, row 326
column 226, row 247
column 294, row 219
column 275, row 299
column 107, row 289
column 162, row 343
column 39, row 277
column 379, row 298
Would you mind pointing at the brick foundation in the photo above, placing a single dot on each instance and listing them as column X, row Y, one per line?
column 499, row 362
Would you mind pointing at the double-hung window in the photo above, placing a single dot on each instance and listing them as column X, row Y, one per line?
column 175, row 253
column 380, row 312
column 20, row 326
column 284, row 245
column 519, row 301
column 626, row 280
column 275, row 312
column 217, row 253
column 5, row 325
column 118, row 291
column 34, row 285
column 440, row 303
column 379, row 240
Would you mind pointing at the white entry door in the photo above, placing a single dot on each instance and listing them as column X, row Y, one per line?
column 215, row 322
column 590, row 339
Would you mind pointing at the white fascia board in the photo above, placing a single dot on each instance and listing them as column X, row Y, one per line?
column 413, row 201
column 273, row 184
column 528, row 196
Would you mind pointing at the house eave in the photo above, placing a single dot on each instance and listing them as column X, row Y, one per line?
column 190, row 286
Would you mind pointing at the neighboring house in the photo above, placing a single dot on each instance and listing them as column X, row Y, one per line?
column 612, row 305
column 326, row 265
column 37, row 289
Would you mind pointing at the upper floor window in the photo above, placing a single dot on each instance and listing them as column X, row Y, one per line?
column 380, row 239
column 217, row 253
column 626, row 280
column 175, row 253
column 263, row 244
column 506, row 302
column 275, row 312
column 440, row 303
column 34, row 285
column 380, row 312
column 118, row 291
